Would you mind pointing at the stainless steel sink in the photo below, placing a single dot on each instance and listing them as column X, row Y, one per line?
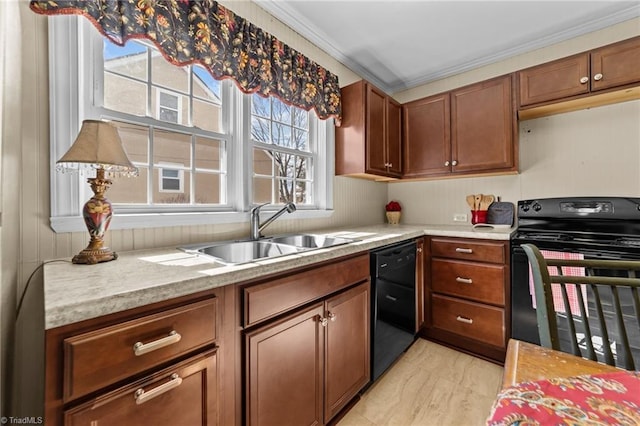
column 236, row 252
column 310, row 241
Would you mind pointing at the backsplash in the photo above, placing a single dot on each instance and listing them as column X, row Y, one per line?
column 589, row 152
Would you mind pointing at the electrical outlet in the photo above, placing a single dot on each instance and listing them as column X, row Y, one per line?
column 460, row 217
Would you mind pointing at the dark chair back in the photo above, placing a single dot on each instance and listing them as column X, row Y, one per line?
column 602, row 307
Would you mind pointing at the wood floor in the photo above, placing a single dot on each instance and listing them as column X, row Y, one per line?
column 429, row 385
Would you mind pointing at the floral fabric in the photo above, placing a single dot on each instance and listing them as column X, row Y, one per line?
column 203, row 32
column 590, row 400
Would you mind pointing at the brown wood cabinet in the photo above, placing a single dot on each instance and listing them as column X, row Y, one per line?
column 157, row 364
column 467, row 287
column 305, row 366
column 368, row 142
column 610, row 67
column 466, row 131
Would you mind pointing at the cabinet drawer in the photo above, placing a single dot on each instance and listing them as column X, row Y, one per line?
column 184, row 394
column 263, row 301
column 472, row 320
column 105, row 356
column 478, row 281
column 483, row 251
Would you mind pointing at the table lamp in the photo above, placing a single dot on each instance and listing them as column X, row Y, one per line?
column 98, row 146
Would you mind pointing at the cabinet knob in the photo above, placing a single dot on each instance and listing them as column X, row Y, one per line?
column 454, row 163
column 390, row 165
column 598, row 77
column 332, row 316
column 323, row 321
column 584, row 80
column 446, row 163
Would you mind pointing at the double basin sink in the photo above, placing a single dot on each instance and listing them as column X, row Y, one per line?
column 243, row 251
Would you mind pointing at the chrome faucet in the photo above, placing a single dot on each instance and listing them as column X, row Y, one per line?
column 256, row 227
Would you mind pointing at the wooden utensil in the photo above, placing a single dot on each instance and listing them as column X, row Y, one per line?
column 477, row 200
column 486, row 201
column 471, row 201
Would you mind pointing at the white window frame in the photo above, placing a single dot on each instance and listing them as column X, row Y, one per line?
column 159, row 106
column 180, row 178
column 72, row 41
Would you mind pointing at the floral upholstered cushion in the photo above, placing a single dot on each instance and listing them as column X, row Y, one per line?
column 599, row 399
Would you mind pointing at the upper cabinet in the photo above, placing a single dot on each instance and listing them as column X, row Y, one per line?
column 609, row 68
column 466, row 131
column 369, row 140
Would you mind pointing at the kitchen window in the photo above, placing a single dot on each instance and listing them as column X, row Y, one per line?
column 200, row 144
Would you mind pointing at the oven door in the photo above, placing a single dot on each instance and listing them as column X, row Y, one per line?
column 524, row 324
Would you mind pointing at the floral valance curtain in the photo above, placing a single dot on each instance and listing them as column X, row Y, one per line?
column 203, row 32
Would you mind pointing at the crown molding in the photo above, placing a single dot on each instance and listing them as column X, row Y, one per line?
column 286, row 14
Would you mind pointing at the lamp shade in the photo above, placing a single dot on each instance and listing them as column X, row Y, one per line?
column 98, row 145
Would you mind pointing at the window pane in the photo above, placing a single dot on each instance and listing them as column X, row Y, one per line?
column 300, row 118
column 285, row 164
column 208, row 188
column 125, row 95
column 262, row 190
column 302, row 192
column 285, row 190
column 208, row 153
column 301, row 139
column 281, row 135
column 165, row 74
column 281, row 111
column 135, row 140
column 302, row 168
column 168, row 100
column 168, row 115
column 171, row 191
column 129, row 190
column 260, row 106
column 260, row 129
column 207, row 116
column 129, row 60
column 262, row 162
column 205, row 86
column 171, row 147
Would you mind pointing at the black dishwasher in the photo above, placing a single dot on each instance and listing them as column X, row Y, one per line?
column 393, row 305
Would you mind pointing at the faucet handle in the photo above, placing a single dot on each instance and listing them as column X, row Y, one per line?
column 257, row 208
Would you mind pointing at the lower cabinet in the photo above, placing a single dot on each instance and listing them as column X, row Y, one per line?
column 185, row 394
column 304, row 368
column 467, row 287
column 157, row 365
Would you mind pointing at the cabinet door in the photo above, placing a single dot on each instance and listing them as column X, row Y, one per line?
column 427, row 137
column 394, row 138
column 483, row 127
column 284, row 362
column 616, row 65
column 185, row 394
column 376, row 131
column 555, row 80
column 347, row 367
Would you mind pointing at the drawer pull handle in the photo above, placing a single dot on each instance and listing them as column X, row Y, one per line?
column 141, row 396
column 464, row 280
column 464, row 250
column 140, row 348
column 393, row 299
column 464, row 320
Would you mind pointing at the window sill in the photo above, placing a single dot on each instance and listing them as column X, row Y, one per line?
column 155, row 220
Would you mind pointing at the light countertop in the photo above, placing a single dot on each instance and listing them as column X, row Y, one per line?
column 74, row 293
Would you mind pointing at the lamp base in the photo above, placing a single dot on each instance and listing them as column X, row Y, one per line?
column 90, row 256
